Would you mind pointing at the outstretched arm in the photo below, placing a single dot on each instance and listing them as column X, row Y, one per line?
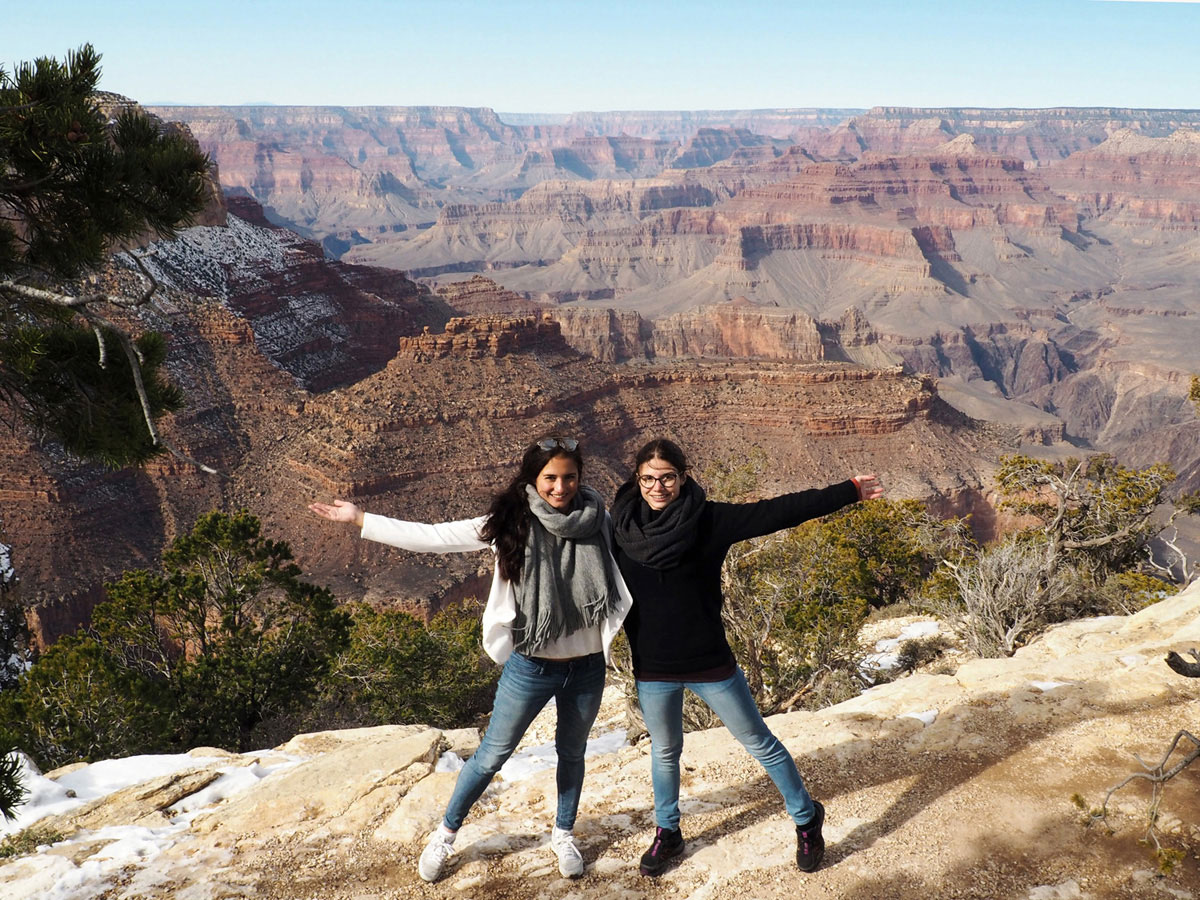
column 739, row 521
column 339, row 511
column 445, row 537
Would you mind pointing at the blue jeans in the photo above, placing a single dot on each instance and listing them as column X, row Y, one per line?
column 526, row 686
column 662, row 708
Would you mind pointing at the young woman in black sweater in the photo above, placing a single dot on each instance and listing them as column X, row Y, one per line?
column 671, row 543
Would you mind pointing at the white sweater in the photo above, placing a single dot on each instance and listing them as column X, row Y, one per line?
column 501, row 610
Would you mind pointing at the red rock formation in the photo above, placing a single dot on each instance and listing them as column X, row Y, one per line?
column 325, row 322
column 82, row 525
column 610, row 335
column 841, row 240
column 478, row 295
column 455, row 405
column 711, row 145
column 605, row 156
column 738, row 330
column 400, row 164
column 1038, row 136
column 1136, row 180
column 681, row 125
column 474, row 337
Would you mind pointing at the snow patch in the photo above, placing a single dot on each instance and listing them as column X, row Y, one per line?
column 7, row 572
column 926, row 717
column 1045, row 686
column 886, row 657
column 205, row 259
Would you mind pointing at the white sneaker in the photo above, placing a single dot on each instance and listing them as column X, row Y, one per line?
column 570, row 860
column 434, row 856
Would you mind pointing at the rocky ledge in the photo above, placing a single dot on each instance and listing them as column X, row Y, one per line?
column 936, row 785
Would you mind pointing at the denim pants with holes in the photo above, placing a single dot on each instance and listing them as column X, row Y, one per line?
column 731, row 700
column 526, row 685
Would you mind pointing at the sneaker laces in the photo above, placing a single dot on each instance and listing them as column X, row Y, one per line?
column 435, row 854
column 564, row 841
column 570, row 859
column 440, row 849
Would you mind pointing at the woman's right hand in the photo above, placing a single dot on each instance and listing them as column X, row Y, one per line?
column 339, row 511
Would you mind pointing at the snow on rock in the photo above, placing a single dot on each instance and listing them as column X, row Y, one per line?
column 201, row 259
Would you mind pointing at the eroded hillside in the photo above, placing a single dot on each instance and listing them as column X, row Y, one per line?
column 429, row 413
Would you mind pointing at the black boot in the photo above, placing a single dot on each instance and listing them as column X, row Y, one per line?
column 810, row 846
column 667, row 845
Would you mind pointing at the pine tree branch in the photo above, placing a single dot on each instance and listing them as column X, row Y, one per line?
column 13, row 189
column 134, row 356
column 153, row 288
column 100, row 343
column 54, row 298
column 67, row 301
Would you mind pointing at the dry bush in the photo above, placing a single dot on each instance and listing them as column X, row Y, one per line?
column 1004, row 595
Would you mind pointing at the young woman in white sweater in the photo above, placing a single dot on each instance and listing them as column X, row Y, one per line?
column 556, row 602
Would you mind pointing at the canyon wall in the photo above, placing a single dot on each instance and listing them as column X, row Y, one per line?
column 353, row 175
column 1048, row 284
column 453, row 405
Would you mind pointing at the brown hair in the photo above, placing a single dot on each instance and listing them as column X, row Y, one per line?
column 507, row 525
column 660, row 448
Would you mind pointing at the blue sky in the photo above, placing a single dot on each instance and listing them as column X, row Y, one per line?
column 571, row 55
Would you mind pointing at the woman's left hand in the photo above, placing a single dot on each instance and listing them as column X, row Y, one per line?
column 868, row 486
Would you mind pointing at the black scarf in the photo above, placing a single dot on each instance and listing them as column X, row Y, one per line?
column 658, row 540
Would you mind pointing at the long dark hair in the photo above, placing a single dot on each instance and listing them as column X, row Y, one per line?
column 507, row 525
column 660, row 448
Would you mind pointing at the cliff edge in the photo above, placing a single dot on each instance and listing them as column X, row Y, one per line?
column 947, row 786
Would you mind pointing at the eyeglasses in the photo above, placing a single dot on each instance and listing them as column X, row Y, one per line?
column 568, row 444
column 667, row 481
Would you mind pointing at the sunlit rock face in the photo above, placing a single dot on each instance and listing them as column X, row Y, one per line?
column 926, row 761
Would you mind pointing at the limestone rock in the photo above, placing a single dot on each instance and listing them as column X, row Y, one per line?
column 915, row 775
column 342, row 782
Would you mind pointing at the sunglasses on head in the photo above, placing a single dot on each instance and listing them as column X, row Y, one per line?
column 566, row 443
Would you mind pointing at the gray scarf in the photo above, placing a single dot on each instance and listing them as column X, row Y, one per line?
column 566, row 580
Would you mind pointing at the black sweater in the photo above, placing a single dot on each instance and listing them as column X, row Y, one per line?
column 675, row 626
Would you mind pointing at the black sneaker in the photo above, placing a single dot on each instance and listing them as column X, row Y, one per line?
column 810, row 846
column 667, row 845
